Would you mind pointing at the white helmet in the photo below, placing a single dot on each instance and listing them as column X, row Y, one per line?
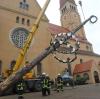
column 43, row 73
column 59, row 74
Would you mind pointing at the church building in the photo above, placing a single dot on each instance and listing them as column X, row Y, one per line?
column 17, row 19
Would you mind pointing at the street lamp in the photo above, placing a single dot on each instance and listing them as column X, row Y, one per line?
column 80, row 3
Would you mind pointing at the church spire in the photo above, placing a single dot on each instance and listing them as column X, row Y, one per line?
column 62, row 2
column 70, row 17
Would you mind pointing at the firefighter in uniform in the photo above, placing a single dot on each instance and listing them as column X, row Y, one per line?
column 20, row 88
column 42, row 84
column 59, row 83
column 45, row 84
column 48, row 84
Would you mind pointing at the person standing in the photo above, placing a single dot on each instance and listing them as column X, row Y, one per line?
column 20, row 88
column 43, row 78
column 45, row 84
column 48, row 83
column 59, row 83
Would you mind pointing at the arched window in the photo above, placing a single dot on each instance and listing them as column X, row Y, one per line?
column 24, row 0
column 95, row 73
column 23, row 21
column 87, row 47
column 62, row 11
column 96, row 77
column 70, row 6
column 19, row 36
column 78, row 77
column 21, row 4
column 81, row 61
column 13, row 62
column 28, row 22
column 0, row 67
column 27, row 6
column 17, row 19
column 85, row 75
column 74, row 8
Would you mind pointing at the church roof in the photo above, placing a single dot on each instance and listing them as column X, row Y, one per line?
column 62, row 2
column 90, row 53
column 84, row 67
column 55, row 29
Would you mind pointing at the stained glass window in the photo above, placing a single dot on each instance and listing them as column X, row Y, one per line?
column 19, row 36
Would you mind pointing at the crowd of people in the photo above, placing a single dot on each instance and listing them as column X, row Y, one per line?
column 45, row 85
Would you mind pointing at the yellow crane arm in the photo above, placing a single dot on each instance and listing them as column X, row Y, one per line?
column 26, row 46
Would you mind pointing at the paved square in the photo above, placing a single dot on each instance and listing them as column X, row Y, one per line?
column 80, row 92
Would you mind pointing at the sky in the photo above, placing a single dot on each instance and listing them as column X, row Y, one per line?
column 90, row 7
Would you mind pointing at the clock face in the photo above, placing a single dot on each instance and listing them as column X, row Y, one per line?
column 19, row 36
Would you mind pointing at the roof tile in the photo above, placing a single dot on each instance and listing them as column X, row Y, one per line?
column 86, row 66
column 55, row 29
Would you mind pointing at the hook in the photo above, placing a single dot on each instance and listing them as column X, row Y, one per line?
column 93, row 19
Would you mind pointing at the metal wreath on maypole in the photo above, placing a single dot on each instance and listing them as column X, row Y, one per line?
column 68, row 48
column 65, row 49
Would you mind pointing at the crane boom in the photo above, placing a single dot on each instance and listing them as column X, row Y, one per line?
column 26, row 46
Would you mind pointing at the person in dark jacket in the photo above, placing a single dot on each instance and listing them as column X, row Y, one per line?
column 48, row 85
column 45, row 82
column 20, row 88
column 59, row 83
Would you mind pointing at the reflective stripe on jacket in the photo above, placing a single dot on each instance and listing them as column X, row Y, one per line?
column 45, row 83
column 20, row 86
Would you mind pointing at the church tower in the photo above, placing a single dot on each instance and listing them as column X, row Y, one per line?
column 70, row 19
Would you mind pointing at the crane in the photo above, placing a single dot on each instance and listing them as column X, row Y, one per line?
column 59, row 40
column 26, row 46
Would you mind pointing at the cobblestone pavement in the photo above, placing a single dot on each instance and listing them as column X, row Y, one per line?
column 80, row 92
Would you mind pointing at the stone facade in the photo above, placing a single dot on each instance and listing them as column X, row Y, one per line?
column 22, row 14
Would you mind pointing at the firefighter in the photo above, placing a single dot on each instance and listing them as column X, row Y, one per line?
column 48, row 84
column 45, row 84
column 59, row 83
column 20, row 88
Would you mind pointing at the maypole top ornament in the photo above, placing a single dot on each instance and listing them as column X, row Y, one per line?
column 63, row 39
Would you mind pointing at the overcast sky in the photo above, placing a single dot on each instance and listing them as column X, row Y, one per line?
column 90, row 7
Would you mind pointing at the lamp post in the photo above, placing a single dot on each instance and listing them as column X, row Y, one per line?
column 80, row 3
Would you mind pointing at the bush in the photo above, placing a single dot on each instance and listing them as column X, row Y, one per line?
column 81, row 80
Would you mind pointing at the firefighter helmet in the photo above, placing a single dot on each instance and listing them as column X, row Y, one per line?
column 59, row 74
column 43, row 73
